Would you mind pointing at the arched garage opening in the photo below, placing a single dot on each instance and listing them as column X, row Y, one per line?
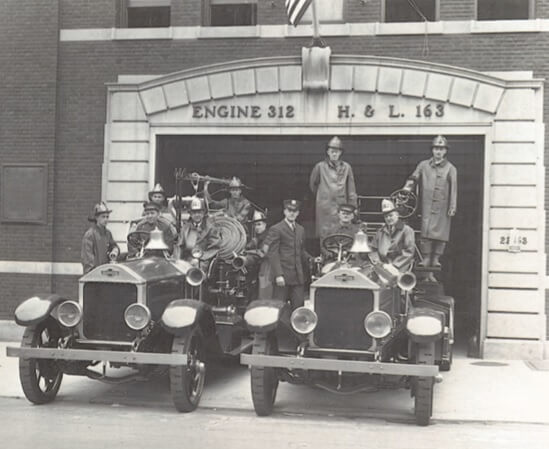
column 278, row 167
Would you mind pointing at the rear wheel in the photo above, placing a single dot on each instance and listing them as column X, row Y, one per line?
column 40, row 378
column 187, row 381
column 423, row 400
column 264, row 379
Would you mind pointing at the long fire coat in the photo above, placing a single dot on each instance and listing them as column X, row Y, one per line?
column 97, row 243
column 333, row 184
column 396, row 247
column 438, row 193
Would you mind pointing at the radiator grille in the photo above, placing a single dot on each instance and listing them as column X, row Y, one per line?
column 104, row 305
column 341, row 314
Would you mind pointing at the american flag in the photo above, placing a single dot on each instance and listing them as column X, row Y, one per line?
column 296, row 9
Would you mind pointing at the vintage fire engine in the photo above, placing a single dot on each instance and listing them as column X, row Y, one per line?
column 151, row 314
column 343, row 340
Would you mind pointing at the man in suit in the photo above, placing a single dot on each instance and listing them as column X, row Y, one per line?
column 287, row 256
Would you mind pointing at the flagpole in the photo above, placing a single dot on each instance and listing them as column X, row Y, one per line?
column 316, row 32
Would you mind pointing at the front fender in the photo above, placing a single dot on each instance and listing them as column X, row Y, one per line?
column 425, row 325
column 36, row 309
column 263, row 315
column 181, row 314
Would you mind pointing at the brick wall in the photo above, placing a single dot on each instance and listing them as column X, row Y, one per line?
column 18, row 287
column 88, row 13
column 357, row 11
column 541, row 9
column 271, row 12
column 28, row 57
column 104, row 13
column 457, row 9
column 186, row 13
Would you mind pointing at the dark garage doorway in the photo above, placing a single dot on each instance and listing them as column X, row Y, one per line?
column 278, row 167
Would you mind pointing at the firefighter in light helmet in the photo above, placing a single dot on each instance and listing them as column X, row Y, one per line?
column 438, row 186
column 198, row 231
column 236, row 206
column 98, row 245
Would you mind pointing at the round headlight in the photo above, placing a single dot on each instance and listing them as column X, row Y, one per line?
column 378, row 324
column 304, row 320
column 137, row 316
column 69, row 313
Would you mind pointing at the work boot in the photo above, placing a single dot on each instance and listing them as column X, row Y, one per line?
column 426, row 261
column 436, row 260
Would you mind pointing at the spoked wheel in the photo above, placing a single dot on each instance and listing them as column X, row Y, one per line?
column 187, row 381
column 139, row 239
column 337, row 243
column 423, row 393
column 264, row 379
column 405, row 202
column 40, row 378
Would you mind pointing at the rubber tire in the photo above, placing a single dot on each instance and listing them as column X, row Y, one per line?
column 423, row 399
column 31, row 371
column 264, row 380
column 186, row 388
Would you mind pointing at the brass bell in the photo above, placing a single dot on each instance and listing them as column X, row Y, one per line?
column 156, row 241
column 360, row 244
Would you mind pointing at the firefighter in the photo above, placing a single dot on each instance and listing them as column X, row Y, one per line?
column 199, row 231
column 287, row 256
column 258, row 248
column 437, row 180
column 394, row 242
column 236, row 206
column 332, row 181
column 98, row 245
column 394, row 246
column 346, row 225
column 158, row 196
column 152, row 220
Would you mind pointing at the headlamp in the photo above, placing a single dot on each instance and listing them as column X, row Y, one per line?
column 137, row 316
column 378, row 324
column 304, row 320
column 69, row 313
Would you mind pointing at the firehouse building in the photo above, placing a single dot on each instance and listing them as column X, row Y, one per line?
column 101, row 100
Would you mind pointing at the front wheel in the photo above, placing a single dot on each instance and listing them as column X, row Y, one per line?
column 187, row 381
column 264, row 379
column 40, row 378
column 423, row 400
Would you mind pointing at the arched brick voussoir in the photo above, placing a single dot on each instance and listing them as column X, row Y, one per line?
column 417, row 79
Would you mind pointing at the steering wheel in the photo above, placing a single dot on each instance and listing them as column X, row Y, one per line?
column 335, row 243
column 139, row 239
column 405, row 202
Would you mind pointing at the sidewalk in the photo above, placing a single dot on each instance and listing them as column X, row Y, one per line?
column 474, row 390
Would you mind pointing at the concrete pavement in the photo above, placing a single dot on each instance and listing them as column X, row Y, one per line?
column 474, row 390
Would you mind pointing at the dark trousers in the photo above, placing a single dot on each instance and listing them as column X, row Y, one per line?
column 295, row 293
